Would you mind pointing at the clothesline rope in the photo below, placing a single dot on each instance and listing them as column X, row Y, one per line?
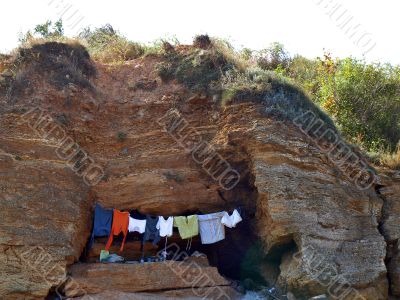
column 210, row 226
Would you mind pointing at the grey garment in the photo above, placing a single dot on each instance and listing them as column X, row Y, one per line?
column 113, row 258
column 211, row 228
column 151, row 233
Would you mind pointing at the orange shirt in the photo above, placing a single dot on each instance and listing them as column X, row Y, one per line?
column 120, row 224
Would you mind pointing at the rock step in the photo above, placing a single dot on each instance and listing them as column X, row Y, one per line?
column 217, row 293
column 95, row 278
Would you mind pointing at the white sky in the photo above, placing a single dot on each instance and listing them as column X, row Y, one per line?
column 304, row 27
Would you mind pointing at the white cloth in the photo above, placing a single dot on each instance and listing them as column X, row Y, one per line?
column 165, row 226
column 211, row 228
column 231, row 220
column 136, row 225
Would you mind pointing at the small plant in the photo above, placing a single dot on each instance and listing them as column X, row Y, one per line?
column 202, row 41
column 273, row 57
column 167, row 47
column 121, row 136
column 145, row 84
column 105, row 177
column 45, row 30
column 171, row 175
column 166, row 71
column 63, row 119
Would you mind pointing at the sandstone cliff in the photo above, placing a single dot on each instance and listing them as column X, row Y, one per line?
column 297, row 202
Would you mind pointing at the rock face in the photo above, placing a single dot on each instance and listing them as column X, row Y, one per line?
column 184, row 294
column 390, row 227
column 307, row 216
column 45, row 217
column 304, row 203
column 147, row 277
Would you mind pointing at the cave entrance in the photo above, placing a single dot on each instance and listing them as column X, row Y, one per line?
column 230, row 256
column 227, row 255
column 90, row 276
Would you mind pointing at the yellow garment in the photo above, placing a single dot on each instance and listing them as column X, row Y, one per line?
column 187, row 226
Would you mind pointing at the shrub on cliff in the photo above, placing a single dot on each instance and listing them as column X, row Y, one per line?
column 202, row 41
column 220, row 69
column 273, row 57
column 281, row 97
column 106, row 45
column 59, row 63
column 46, row 32
column 363, row 98
column 196, row 69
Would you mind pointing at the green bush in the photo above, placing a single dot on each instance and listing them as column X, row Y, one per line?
column 45, row 29
column 273, row 57
column 367, row 103
column 363, row 99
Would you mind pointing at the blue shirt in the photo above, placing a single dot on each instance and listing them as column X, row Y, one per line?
column 101, row 224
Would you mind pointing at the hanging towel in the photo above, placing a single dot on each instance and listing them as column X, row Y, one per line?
column 165, row 226
column 119, row 224
column 211, row 228
column 101, row 224
column 187, row 226
column 151, row 233
column 231, row 220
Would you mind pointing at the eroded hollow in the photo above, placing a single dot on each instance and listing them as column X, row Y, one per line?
column 236, row 257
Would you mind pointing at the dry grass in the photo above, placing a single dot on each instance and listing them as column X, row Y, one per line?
column 113, row 49
column 31, row 41
column 4, row 62
column 391, row 160
column 116, row 51
column 231, row 55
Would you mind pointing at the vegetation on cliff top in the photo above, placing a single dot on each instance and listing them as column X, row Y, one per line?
column 362, row 99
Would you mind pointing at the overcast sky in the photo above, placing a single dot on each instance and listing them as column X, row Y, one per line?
column 358, row 28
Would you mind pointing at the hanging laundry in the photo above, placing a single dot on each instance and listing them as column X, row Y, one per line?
column 231, row 220
column 187, row 226
column 120, row 224
column 101, row 224
column 241, row 212
column 165, row 226
column 136, row 225
column 134, row 213
column 151, row 231
column 211, row 228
